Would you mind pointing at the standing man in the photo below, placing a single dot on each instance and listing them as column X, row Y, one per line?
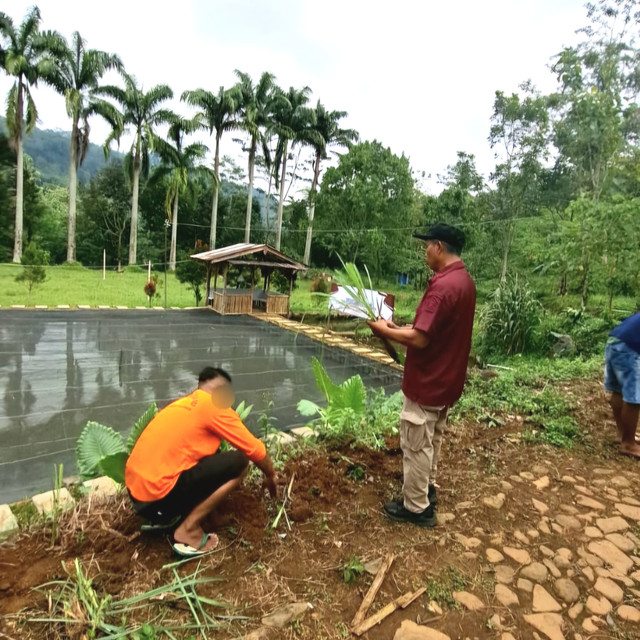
column 175, row 471
column 622, row 380
column 438, row 345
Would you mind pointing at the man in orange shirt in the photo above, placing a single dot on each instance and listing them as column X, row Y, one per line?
column 175, row 469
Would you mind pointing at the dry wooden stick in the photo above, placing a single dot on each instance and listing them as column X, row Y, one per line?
column 373, row 590
column 399, row 603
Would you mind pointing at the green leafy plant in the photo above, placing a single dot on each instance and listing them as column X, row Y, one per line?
column 101, row 450
column 243, row 410
column 351, row 411
column 352, row 569
column 347, row 400
column 509, row 318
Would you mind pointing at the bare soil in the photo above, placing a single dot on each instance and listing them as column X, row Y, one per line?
column 335, row 514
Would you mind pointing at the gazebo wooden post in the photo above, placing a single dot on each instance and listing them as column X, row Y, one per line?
column 215, row 278
column 208, row 284
column 253, row 273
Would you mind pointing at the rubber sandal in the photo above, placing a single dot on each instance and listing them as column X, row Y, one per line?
column 149, row 527
column 187, row 551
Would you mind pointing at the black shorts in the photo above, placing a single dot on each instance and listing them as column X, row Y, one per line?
column 194, row 486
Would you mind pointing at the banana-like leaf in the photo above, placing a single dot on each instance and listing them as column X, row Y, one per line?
column 308, row 408
column 139, row 425
column 95, row 443
column 353, row 395
column 323, row 381
column 243, row 411
column 113, row 466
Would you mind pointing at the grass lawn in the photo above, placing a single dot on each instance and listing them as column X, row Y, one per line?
column 81, row 286
column 77, row 285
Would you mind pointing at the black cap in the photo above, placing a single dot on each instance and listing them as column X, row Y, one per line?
column 445, row 233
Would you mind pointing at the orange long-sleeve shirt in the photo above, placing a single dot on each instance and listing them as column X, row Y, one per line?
column 177, row 438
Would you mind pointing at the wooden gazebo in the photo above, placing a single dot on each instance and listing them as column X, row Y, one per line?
column 255, row 257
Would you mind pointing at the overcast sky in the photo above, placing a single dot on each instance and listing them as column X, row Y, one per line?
column 417, row 75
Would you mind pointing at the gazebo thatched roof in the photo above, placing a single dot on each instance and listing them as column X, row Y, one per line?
column 257, row 255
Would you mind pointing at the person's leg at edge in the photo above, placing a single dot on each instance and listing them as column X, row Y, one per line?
column 190, row 530
column 615, row 401
column 438, row 432
column 417, row 460
column 628, row 424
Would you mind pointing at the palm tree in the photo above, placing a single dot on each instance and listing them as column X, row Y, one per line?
column 293, row 123
column 76, row 77
column 256, row 106
column 218, row 113
column 328, row 127
column 177, row 162
column 27, row 55
column 142, row 112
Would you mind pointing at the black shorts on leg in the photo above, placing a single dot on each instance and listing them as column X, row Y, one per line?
column 194, row 486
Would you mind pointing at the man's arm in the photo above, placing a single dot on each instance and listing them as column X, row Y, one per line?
column 407, row 336
column 266, row 466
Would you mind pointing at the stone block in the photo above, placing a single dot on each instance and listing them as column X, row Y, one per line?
column 8, row 522
column 44, row 502
column 102, row 487
column 303, row 432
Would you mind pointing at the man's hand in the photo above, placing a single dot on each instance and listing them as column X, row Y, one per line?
column 378, row 326
column 270, row 484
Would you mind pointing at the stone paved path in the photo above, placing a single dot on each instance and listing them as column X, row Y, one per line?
column 575, row 572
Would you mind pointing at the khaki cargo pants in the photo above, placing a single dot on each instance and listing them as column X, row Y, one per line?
column 421, row 430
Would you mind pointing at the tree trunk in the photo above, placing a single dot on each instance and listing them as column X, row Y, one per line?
column 73, row 185
column 267, row 210
column 311, row 211
column 216, row 191
column 281, row 198
column 174, row 234
column 17, row 246
column 133, row 236
column 252, row 164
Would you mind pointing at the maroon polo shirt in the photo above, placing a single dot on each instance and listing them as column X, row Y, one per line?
column 435, row 375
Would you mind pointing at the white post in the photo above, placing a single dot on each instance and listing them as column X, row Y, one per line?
column 104, row 264
column 149, row 272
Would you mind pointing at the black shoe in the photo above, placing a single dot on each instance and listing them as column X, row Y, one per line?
column 397, row 511
column 431, row 495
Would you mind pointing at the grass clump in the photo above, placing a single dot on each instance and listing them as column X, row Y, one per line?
column 523, row 389
column 441, row 587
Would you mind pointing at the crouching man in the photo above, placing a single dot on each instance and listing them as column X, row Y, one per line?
column 176, row 471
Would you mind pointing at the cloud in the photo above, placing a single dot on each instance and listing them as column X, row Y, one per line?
column 418, row 76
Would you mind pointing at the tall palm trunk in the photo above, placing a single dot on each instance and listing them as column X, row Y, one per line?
column 267, row 209
column 17, row 246
column 133, row 236
column 73, row 187
column 17, row 243
column 252, row 165
column 312, row 210
column 174, row 234
column 283, row 175
column 216, row 191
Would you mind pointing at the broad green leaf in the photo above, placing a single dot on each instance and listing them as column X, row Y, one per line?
column 353, row 395
column 139, row 426
column 308, row 408
column 323, row 381
column 113, row 466
column 95, row 443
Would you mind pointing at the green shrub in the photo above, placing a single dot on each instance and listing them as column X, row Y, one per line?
column 509, row 318
column 33, row 260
